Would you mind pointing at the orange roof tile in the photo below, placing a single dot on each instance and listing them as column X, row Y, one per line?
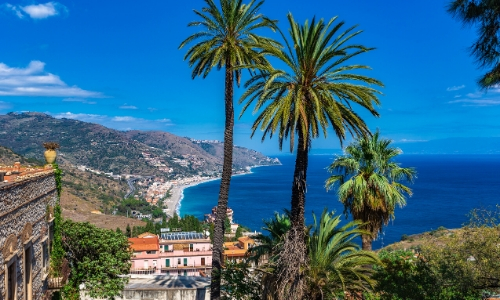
column 247, row 239
column 144, row 244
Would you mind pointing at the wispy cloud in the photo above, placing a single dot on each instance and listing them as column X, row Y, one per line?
column 411, row 141
column 455, row 88
column 37, row 11
column 80, row 100
column 125, row 106
column 117, row 122
column 35, row 81
column 477, row 102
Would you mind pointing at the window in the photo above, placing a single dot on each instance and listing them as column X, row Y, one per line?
column 11, row 281
column 185, row 273
column 45, row 257
column 165, row 247
column 167, row 263
column 178, row 261
column 28, row 285
column 151, row 252
column 185, row 262
column 190, row 247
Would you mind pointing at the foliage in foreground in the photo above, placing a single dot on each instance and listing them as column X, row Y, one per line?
column 464, row 265
column 336, row 263
column 97, row 258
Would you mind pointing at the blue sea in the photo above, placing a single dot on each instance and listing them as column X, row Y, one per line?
column 447, row 188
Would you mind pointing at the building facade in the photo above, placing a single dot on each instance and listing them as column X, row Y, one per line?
column 27, row 200
column 174, row 254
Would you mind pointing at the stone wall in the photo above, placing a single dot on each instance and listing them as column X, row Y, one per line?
column 26, row 214
column 167, row 294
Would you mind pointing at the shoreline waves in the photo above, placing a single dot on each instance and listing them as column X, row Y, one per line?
column 175, row 201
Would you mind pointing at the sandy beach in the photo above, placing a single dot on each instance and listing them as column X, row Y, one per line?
column 178, row 191
column 177, row 195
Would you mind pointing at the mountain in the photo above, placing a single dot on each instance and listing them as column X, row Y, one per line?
column 107, row 150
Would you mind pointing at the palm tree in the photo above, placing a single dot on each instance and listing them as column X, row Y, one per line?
column 226, row 40
column 317, row 90
column 369, row 183
column 487, row 48
column 336, row 262
column 270, row 244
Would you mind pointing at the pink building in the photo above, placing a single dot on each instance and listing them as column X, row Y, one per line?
column 175, row 254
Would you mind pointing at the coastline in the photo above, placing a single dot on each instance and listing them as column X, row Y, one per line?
column 175, row 201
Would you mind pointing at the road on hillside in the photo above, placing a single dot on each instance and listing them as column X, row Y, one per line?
column 131, row 186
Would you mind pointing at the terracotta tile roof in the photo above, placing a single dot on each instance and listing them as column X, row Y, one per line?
column 246, row 239
column 144, row 244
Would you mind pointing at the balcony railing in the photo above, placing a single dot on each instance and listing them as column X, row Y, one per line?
column 152, row 271
column 186, row 253
column 182, row 267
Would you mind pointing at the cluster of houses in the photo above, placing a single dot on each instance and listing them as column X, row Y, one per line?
column 181, row 253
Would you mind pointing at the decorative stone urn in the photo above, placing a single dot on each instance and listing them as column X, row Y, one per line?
column 50, row 154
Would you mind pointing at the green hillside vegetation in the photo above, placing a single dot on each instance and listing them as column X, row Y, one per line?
column 109, row 150
column 131, row 204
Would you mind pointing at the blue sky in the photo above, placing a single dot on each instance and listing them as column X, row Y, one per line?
column 117, row 63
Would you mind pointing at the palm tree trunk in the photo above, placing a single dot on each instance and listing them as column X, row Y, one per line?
column 227, row 170
column 293, row 258
column 299, row 183
column 366, row 242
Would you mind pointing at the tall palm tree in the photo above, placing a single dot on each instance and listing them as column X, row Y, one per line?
column 369, row 183
column 486, row 49
column 315, row 90
column 336, row 262
column 227, row 40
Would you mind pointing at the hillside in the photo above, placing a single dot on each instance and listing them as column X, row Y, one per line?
column 83, row 192
column 108, row 150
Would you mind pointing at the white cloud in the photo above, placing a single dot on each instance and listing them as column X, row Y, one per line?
column 117, row 122
column 124, row 119
column 81, row 100
column 455, row 88
column 35, row 81
column 15, row 9
column 412, row 141
column 125, row 106
column 477, row 102
column 37, row 11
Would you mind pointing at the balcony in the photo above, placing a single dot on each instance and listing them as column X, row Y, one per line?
column 183, row 253
column 182, row 267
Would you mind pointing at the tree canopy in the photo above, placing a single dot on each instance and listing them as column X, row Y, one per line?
column 97, row 258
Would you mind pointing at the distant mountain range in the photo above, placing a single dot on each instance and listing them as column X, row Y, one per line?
column 121, row 152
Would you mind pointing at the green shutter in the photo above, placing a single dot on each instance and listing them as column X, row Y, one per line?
column 185, row 261
column 167, row 263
